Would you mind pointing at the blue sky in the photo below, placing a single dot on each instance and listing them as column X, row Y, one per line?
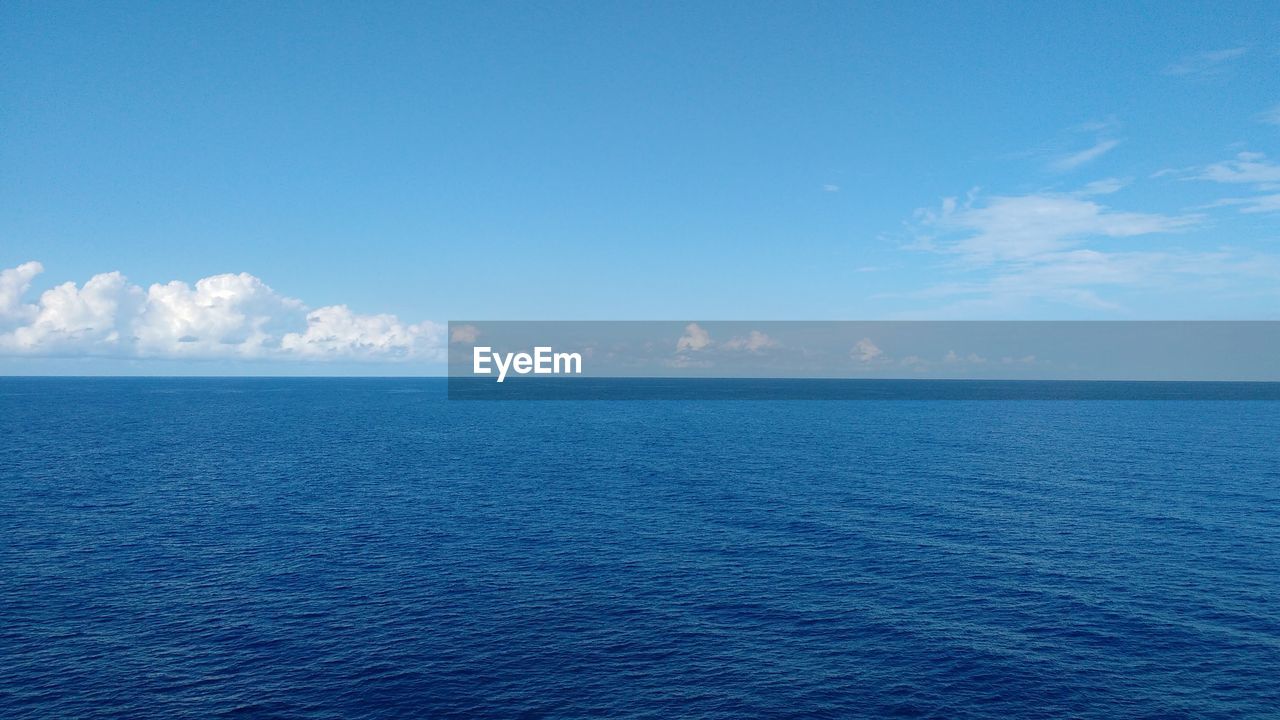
column 366, row 172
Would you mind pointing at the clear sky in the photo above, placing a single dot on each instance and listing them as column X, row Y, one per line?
column 367, row 171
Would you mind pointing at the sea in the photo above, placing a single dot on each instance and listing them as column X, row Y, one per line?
column 368, row 548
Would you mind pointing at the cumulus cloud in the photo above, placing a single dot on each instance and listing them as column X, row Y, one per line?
column 865, row 351
column 951, row 363
column 222, row 316
column 694, row 339
column 14, row 283
column 697, row 339
column 464, row 334
column 68, row 318
column 755, row 341
column 336, row 332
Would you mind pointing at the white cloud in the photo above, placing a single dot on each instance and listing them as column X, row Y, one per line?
column 1246, row 168
column 1097, row 126
column 865, row 351
column 1261, row 204
column 14, row 283
column 1206, row 63
column 1076, row 159
column 694, row 339
column 755, row 341
column 1076, row 277
column 465, row 334
column 222, row 316
column 69, row 319
column 1250, row 205
column 1024, row 226
column 831, row 188
column 1014, row 251
column 951, row 362
column 1079, row 145
column 1270, row 116
column 1106, row 186
column 685, row 361
column 336, row 332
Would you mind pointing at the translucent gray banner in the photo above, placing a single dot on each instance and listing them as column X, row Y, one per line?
column 520, row 360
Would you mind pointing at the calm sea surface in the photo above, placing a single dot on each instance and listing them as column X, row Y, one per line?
column 174, row 548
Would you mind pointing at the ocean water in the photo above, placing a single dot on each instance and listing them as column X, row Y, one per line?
column 187, row 548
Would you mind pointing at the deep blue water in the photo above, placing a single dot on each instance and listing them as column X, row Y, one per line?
column 368, row 549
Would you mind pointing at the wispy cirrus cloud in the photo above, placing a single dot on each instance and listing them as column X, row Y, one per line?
column 1211, row 62
column 1246, row 168
column 1250, row 205
column 221, row 316
column 1106, row 186
column 1089, row 279
column 1021, row 227
column 1074, row 160
column 1079, row 145
column 1067, row 248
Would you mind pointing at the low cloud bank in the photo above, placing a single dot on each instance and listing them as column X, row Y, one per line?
column 230, row 316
